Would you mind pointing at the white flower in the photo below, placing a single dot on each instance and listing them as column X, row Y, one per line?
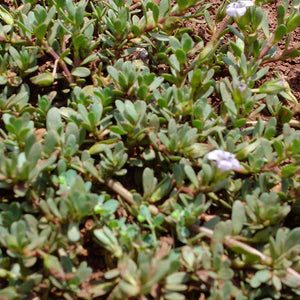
column 238, row 9
column 226, row 161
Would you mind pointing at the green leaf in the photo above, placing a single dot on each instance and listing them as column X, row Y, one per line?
column 79, row 13
column 281, row 14
column 110, row 206
column 289, row 170
column 6, row 16
column 296, row 146
column 177, row 278
column 54, row 210
column 270, row 129
column 292, row 239
column 40, row 14
column 81, row 72
column 240, row 122
column 117, row 129
column 155, row 12
column 149, row 182
column 182, row 4
column 40, row 31
column 174, row 295
column 238, row 217
column 292, row 54
column 149, row 154
column 174, row 43
column 53, row 265
column 136, row 30
column 53, row 119
column 161, row 37
column 190, row 173
column 142, row 91
column 99, row 289
column 122, row 81
column 291, row 281
column 162, row 189
column 16, row 57
column 158, row 220
column 267, row 149
column 257, row 17
column 181, row 56
column 285, row 114
column 280, row 32
column 43, row 79
column 89, row 59
column 34, row 154
column 131, row 112
column 3, row 80
column 170, row 78
column 276, row 282
column 9, row 292
column 174, row 62
column 79, row 41
column 208, row 19
column 164, row 7
column 187, row 42
column 278, row 148
column 113, row 73
column 237, row 50
column 293, row 23
column 260, row 277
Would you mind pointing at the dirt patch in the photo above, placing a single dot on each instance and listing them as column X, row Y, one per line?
column 288, row 69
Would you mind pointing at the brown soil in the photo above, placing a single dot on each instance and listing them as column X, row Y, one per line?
column 288, row 69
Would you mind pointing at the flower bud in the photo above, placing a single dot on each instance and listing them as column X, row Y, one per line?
column 6, row 16
column 273, row 87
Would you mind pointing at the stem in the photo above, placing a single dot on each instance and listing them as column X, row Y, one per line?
column 267, row 47
column 215, row 39
column 293, row 123
column 61, row 62
column 282, row 55
column 55, row 68
column 134, row 6
column 207, row 49
column 120, row 190
column 149, row 27
column 231, row 242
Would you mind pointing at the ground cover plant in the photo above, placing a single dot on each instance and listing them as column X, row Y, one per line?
column 149, row 149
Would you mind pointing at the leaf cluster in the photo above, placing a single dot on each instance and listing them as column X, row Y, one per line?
column 108, row 112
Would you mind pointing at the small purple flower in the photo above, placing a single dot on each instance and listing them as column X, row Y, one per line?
column 241, row 86
column 238, row 9
column 225, row 161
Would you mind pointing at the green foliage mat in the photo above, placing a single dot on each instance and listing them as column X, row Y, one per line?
column 138, row 161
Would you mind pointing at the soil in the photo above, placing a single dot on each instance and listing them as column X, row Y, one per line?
column 288, row 69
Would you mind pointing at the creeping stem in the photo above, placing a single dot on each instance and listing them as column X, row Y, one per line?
column 61, row 62
column 229, row 241
column 283, row 55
